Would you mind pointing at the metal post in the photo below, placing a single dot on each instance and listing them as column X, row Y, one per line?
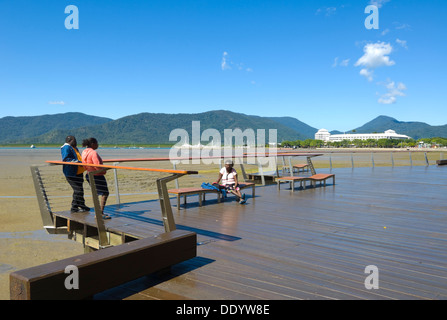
column 244, row 174
column 290, row 166
column 102, row 234
column 276, row 166
column 176, row 180
column 330, row 162
column 352, row 161
column 411, row 160
column 261, row 172
column 42, row 199
column 117, row 190
column 426, row 159
column 392, row 160
column 165, row 203
column 372, row 159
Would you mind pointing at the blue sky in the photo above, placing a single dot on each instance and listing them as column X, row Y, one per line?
column 312, row 60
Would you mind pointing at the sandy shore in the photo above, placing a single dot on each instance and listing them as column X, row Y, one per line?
column 23, row 241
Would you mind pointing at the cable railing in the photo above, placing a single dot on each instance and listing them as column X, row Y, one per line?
column 50, row 195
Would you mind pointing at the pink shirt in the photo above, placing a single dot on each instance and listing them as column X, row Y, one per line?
column 91, row 156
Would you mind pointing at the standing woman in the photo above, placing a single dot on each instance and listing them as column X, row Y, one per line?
column 89, row 155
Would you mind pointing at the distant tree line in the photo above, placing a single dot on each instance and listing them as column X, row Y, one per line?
column 368, row 143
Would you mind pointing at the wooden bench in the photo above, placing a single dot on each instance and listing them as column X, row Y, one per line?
column 322, row 177
column 300, row 167
column 103, row 269
column 292, row 181
column 193, row 191
column 201, row 193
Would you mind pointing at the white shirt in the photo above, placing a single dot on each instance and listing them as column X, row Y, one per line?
column 228, row 178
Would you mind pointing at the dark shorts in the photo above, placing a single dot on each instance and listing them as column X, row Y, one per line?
column 101, row 185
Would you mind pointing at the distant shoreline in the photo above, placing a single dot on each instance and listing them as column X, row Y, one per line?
column 164, row 146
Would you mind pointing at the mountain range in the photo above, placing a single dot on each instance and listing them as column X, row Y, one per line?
column 155, row 128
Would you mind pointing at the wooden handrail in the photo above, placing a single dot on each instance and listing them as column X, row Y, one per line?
column 245, row 155
column 121, row 167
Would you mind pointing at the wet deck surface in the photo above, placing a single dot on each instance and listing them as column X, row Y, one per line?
column 310, row 244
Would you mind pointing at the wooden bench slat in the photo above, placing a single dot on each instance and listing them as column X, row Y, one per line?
column 104, row 269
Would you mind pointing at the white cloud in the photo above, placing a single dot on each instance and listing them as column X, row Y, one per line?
column 227, row 64
column 393, row 91
column 376, row 55
column 378, row 3
column 402, row 26
column 328, row 11
column 367, row 74
column 224, row 64
column 62, row 103
column 403, row 43
column 384, row 32
column 343, row 63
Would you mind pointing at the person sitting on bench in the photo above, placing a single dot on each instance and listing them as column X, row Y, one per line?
column 229, row 181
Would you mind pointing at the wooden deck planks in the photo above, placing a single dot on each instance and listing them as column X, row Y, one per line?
column 314, row 243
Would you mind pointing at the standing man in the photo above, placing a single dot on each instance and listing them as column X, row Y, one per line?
column 73, row 174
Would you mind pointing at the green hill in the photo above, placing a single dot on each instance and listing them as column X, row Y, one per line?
column 305, row 130
column 24, row 129
column 415, row 130
column 154, row 128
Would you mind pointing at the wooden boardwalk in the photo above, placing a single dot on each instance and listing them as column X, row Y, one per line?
column 310, row 244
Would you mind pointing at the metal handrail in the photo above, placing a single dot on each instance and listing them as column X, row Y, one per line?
column 165, row 205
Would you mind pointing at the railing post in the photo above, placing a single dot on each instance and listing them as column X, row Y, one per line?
column 261, row 172
column 392, row 160
column 426, row 159
column 174, row 165
column 290, row 166
column 411, row 160
column 352, row 162
column 244, row 174
column 102, row 234
column 165, row 203
column 372, row 159
column 42, row 199
column 117, row 191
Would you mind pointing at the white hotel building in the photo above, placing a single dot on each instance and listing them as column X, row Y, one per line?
column 324, row 135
